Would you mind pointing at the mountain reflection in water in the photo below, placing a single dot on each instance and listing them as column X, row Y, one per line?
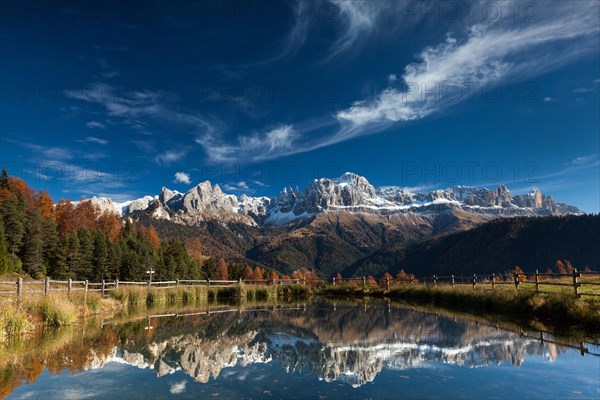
column 349, row 344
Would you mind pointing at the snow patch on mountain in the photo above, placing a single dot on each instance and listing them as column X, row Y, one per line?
column 349, row 193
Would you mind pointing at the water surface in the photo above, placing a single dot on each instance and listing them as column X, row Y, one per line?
column 318, row 350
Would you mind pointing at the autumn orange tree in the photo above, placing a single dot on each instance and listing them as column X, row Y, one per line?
column 403, row 277
column 259, row 273
column 274, row 277
column 222, row 268
column 386, row 279
column 372, row 282
column 520, row 273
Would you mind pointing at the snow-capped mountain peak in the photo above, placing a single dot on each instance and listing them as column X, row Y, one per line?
column 348, row 193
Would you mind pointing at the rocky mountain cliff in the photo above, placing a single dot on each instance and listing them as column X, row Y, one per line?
column 330, row 225
column 348, row 193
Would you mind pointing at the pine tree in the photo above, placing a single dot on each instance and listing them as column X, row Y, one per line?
column 101, row 257
column 84, row 269
column 33, row 250
column 14, row 214
column 72, row 257
column 4, row 186
column 209, row 269
column 51, row 243
column 114, row 259
column 4, row 182
column 4, row 261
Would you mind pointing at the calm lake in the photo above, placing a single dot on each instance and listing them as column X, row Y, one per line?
column 319, row 350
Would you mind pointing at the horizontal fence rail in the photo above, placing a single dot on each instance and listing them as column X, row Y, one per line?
column 575, row 280
column 538, row 281
column 46, row 286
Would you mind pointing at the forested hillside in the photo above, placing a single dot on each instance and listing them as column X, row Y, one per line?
column 76, row 240
column 497, row 246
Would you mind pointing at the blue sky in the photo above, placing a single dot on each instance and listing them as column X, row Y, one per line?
column 121, row 98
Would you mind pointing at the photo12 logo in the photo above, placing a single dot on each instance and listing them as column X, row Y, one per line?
column 468, row 172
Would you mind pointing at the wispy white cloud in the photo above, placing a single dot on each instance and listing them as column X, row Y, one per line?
column 134, row 107
column 548, row 99
column 95, row 124
column 273, row 143
column 578, row 165
column 96, row 140
column 93, row 156
column 585, row 160
column 295, row 39
column 490, row 54
column 170, row 156
column 241, row 186
column 482, row 54
column 48, row 152
column 182, row 177
column 357, row 19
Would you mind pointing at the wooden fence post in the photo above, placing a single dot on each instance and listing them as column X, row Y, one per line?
column 86, row 285
column 208, row 282
column 304, row 280
column 474, row 281
column 364, row 281
column 69, row 287
column 435, row 280
column 387, row 282
column 103, row 287
column 177, row 283
column 537, row 281
column 46, row 286
column 576, row 282
column 516, row 281
column 452, row 280
column 493, row 280
column 19, row 287
column 116, row 283
column 334, row 281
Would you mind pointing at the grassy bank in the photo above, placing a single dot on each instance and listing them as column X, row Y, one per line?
column 36, row 312
column 555, row 309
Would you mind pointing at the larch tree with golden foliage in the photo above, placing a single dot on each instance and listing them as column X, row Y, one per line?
column 274, row 277
column 153, row 237
column 223, row 269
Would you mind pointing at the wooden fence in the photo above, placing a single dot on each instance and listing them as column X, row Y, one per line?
column 575, row 280
column 48, row 285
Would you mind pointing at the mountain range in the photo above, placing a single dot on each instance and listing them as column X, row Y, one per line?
column 331, row 225
column 349, row 193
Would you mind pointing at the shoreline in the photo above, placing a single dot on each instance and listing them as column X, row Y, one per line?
column 20, row 318
column 555, row 310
